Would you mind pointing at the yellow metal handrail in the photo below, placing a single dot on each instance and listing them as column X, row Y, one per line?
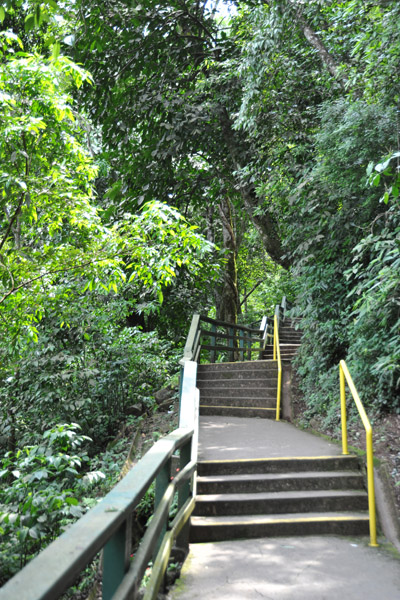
column 345, row 375
column 277, row 356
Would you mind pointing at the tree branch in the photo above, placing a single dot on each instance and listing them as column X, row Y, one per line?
column 255, row 286
column 11, row 221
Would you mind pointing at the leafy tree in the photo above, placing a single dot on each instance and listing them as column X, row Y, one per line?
column 52, row 232
column 37, row 500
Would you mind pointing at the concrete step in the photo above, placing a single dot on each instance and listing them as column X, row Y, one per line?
column 281, row 502
column 244, row 401
column 230, row 393
column 278, row 465
column 283, row 348
column 213, row 529
column 253, row 365
column 284, row 354
column 274, row 482
column 238, row 375
column 264, row 382
column 236, row 411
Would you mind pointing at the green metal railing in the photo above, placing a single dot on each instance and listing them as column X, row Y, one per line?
column 107, row 526
column 218, row 340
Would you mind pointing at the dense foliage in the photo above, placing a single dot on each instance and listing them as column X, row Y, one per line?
column 275, row 132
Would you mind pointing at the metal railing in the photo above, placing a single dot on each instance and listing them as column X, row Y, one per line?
column 107, row 527
column 345, row 376
column 222, row 340
column 277, row 357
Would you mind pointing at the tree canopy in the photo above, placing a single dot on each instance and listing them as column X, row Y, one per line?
column 162, row 158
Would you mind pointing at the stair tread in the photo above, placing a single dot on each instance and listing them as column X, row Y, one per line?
column 294, row 459
column 222, row 388
column 275, row 476
column 212, row 521
column 241, row 382
column 242, row 363
column 236, row 407
column 281, row 495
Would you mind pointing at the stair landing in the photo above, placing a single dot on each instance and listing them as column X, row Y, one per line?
column 232, row 438
column 289, row 568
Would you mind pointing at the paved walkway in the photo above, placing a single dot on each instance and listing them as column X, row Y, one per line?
column 309, row 568
column 222, row 438
column 306, row 568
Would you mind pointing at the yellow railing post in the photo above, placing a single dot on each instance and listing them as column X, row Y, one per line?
column 343, row 410
column 277, row 356
column 344, row 374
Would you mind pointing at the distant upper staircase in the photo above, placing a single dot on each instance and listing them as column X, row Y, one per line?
column 289, row 341
column 241, row 389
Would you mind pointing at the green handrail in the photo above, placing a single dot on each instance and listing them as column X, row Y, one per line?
column 230, row 340
column 344, row 375
column 108, row 526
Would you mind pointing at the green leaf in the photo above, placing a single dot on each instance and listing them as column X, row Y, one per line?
column 76, row 511
column 72, row 501
column 55, row 51
column 38, row 16
column 29, row 22
column 13, row 518
column 376, row 180
column 33, row 533
column 40, row 474
column 2, row 14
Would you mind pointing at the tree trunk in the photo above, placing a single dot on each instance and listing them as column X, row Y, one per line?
column 263, row 222
column 228, row 297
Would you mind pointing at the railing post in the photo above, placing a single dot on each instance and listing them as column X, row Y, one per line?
column 184, row 458
column 116, row 555
column 241, row 345
column 345, row 376
column 343, row 409
column 230, row 344
column 184, row 492
column 371, row 490
column 248, row 338
column 191, row 338
column 284, row 308
column 162, row 482
column 277, row 357
column 186, row 400
column 213, row 338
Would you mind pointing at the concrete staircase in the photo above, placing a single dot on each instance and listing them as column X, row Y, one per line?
column 258, row 497
column 289, row 341
column 279, row 497
column 241, row 389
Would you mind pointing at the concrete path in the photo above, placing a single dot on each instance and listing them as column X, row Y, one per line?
column 309, row 568
column 306, row 568
column 222, row 438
